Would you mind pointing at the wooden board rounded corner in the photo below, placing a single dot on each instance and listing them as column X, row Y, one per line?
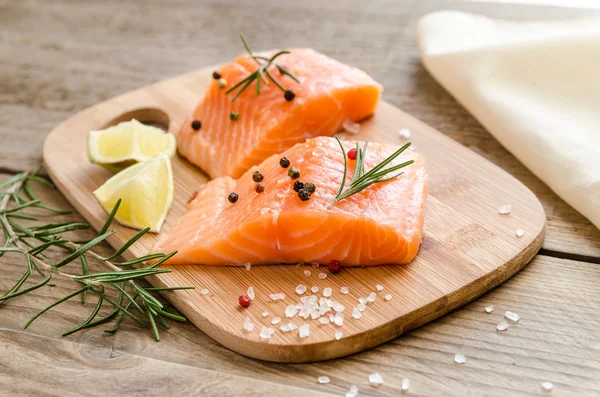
column 468, row 249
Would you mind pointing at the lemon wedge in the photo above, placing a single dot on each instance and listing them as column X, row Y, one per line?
column 146, row 193
column 127, row 143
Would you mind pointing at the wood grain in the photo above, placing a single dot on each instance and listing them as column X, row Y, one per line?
column 469, row 247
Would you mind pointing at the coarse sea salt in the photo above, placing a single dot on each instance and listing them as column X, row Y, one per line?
column 512, row 316
column 503, row 326
column 388, row 297
column 405, row 384
column 285, row 328
column 344, row 290
column 505, row 209
column 277, row 297
column 547, row 386
column 304, row 330
column 323, row 320
column 248, row 266
column 353, row 391
column 266, row 332
column 356, row 313
column 307, row 273
column 372, row 297
column 351, row 127
column 331, row 318
column 291, row 311
column 300, row 289
column 204, row 291
column 363, row 300
column 292, row 325
column 519, row 232
column 327, row 292
column 338, row 307
column 265, row 314
column 323, row 379
column 361, row 307
column 460, row 358
column 404, row 133
column 250, row 292
column 338, row 319
column 276, row 320
column 489, row 308
column 314, row 289
column 322, row 276
column 375, row 379
column 379, row 287
column 338, row 335
column 248, row 325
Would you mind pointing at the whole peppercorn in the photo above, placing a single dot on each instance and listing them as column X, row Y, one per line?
column 289, row 95
column 294, row 173
column 233, row 197
column 284, row 162
column 234, row 116
column 259, row 188
column 196, row 125
column 244, row 300
column 304, row 195
column 216, row 75
column 258, row 176
column 352, row 154
column 310, row 187
column 298, row 185
column 334, row 266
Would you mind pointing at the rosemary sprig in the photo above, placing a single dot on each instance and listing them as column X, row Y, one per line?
column 361, row 179
column 263, row 69
column 32, row 241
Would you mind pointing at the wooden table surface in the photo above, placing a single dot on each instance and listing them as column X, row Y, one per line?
column 59, row 57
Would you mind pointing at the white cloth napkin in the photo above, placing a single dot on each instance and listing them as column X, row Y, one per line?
column 534, row 85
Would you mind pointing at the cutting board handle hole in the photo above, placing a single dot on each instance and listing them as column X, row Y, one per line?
column 149, row 116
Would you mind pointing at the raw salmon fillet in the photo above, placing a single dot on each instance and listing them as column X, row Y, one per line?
column 329, row 93
column 380, row 225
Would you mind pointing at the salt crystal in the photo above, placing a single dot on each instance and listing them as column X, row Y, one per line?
column 276, row 320
column 351, row 127
column 323, row 379
column 405, row 384
column 277, row 297
column 285, row 328
column 338, row 319
column 338, row 307
column 379, row 287
column 520, row 233
column 324, row 320
column 356, row 313
column 375, row 379
column 547, row 386
column 372, row 297
column 265, row 314
column 314, row 289
column 266, row 332
column 292, row 325
column 353, row 391
column 363, row 300
column 299, row 306
column 512, row 316
column 361, row 307
column 315, row 314
column 291, row 311
column 204, row 291
column 307, row 273
column 248, row 325
column 322, row 276
column 250, row 292
column 489, row 309
column 304, row 330
column 327, row 292
column 404, row 133
column 505, row 209
column 344, row 290
column 300, row 289
column 248, row 266
column 310, row 298
column 388, row 297
column 331, row 318
column 503, row 326
column 460, row 359
column 338, row 335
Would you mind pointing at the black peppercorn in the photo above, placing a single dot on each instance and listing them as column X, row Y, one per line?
column 289, row 95
column 233, row 116
column 196, row 125
column 310, row 187
column 284, row 162
column 259, row 188
column 294, row 173
column 233, row 197
column 298, row 185
column 304, row 195
column 258, row 176
column 216, row 75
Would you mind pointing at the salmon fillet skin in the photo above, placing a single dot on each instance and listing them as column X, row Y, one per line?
column 329, row 93
column 382, row 224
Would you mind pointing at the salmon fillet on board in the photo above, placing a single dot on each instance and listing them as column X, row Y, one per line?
column 329, row 93
column 382, row 224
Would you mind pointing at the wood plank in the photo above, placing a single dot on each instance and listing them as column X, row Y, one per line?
column 51, row 74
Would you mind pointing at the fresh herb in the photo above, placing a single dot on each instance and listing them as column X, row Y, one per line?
column 32, row 241
column 259, row 75
column 361, row 179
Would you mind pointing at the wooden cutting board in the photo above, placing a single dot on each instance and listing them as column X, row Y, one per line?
column 469, row 248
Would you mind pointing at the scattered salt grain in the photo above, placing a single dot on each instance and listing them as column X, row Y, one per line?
column 323, row 379
column 356, row 313
column 314, row 314
column 503, row 326
column 291, row 311
column 388, row 297
column 351, row 127
column 285, row 328
column 489, row 309
column 338, row 335
column 248, row 266
column 519, row 232
column 344, row 290
column 300, row 289
column 505, row 209
column 379, row 287
column 304, row 330
column 248, row 325
column 512, row 316
column 460, row 359
column 331, row 318
column 292, row 325
column 323, row 320
column 338, row 307
column 338, row 319
column 372, row 297
column 322, row 276
column 405, row 384
column 307, row 273
column 375, row 379
column 277, row 297
column 327, row 292
column 361, row 307
column 547, row 386
column 265, row 314
column 250, row 292
column 310, row 298
column 204, row 291
column 276, row 320
column 266, row 332
column 314, row 289
column 363, row 300
column 353, row 391
column 404, row 133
